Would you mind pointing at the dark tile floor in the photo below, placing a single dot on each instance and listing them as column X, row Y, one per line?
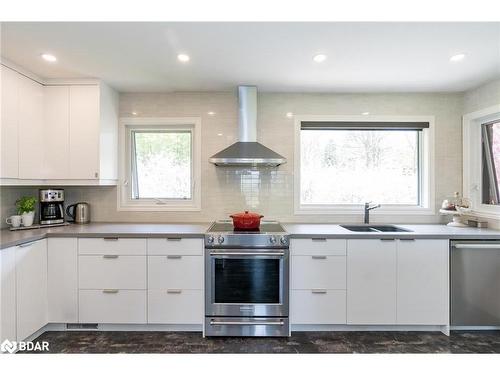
column 300, row 342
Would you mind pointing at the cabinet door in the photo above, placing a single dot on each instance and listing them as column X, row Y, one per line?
column 31, row 282
column 423, row 282
column 62, row 280
column 371, row 282
column 31, row 132
column 84, row 132
column 56, row 157
column 8, row 294
column 9, row 128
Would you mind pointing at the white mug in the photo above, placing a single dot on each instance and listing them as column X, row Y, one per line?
column 14, row 220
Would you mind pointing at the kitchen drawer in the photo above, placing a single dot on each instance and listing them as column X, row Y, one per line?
column 318, row 246
column 111, row 271
column 175, row 246
column 318, row 306
column 112, row 246
column 112, row 306
column 175, row 271
column 318, row 271
column 175, row 306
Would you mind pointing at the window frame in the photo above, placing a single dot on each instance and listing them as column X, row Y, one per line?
column 426, row 170
column 472, row 160
column 125, row 186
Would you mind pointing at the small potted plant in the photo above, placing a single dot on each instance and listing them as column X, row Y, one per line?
column 26, row 208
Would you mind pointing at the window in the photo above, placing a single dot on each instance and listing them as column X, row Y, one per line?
column 490, row 139
column 481, row 135
column 343, row 164
column 160, row 164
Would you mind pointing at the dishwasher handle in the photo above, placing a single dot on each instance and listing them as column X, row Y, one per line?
column 492, row 246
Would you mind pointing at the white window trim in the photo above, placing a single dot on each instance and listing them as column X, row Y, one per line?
column 428, row 185
column 125, row 203
column 472, row 179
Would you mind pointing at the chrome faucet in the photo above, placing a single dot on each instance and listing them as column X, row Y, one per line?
column 368, row 208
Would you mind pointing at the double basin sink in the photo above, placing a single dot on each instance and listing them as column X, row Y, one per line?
column 375, row 228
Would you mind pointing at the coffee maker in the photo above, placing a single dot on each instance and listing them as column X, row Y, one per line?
column 51, row 206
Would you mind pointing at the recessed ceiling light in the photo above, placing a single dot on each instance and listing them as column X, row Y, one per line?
column 183, row 57
column 319, row 58
column 289, row 114
column 220, row 134
column 457, row 58
column 48, row 57
column 134, row 113
column 365, row 113
column 211, row 113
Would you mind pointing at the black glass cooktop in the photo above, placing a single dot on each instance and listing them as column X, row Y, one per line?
column 265, row 227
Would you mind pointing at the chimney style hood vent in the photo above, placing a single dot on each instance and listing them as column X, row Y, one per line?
column 247, row 152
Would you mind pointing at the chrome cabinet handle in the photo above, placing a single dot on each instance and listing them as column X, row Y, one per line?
column 110, row 256
column 27, row 244
column 387, row 239
column 318, row 291
column 174, row 291
column 110, row 238
column 477, row 246
column 318, row 239
column 252, row 323
column 174, row 238
column 318, row 257
column 110, row 291
column 174, row 256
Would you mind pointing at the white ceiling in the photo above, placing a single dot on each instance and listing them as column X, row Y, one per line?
column 362, row 57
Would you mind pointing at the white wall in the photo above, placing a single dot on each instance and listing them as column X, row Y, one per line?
column 270, row 191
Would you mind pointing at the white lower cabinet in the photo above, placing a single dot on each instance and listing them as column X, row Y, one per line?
column 423, row 282
column 63, row 280
column 112, row 306
column 371, row 281
column 8, row 294
column 31, row 288
column 175, row 306
column 318, row 306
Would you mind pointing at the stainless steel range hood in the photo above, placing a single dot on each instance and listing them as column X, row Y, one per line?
column 247, row 151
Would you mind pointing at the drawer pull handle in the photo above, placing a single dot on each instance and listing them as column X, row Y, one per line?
column 174, row 291
column 110, row 238
column 387, row 239
column 174, row 256
column 319, row 239
column 27, row 244
column 110, row 256
column 110, row 291
column 174, row 238
column 319, row 257
column 318, row 291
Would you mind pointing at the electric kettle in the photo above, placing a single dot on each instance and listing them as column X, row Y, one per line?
column 79, row 212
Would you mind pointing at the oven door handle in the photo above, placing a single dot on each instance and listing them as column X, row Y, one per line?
column 251, row 323
column 249, row 253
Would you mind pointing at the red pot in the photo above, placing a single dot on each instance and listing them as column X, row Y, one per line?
column 246, row 220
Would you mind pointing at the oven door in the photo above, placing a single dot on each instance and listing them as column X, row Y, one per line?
column 246, row 282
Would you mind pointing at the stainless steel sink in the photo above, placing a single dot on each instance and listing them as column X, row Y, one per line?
column 375, row 228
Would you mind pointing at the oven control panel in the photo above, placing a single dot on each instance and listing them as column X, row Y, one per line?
column 216, row 240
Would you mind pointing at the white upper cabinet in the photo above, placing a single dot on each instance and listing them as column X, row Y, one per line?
column 84, row 132
column 10, row 123
column 31, row 129
column 56, row 150
column 65, row 134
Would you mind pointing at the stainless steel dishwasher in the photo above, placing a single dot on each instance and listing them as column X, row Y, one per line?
column 475, row 283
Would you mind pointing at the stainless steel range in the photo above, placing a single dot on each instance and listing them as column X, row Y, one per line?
column 246, row 280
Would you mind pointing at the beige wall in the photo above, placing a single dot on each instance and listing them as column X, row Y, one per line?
column 270, row 191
